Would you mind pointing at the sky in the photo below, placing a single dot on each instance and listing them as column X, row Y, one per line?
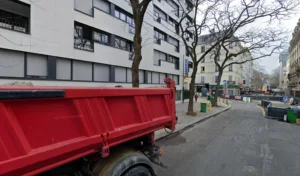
column 272, row 62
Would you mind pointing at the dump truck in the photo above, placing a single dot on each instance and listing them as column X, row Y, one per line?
column 83, row 131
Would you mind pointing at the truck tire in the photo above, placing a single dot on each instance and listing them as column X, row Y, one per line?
column 124, row 163
column 138, row 171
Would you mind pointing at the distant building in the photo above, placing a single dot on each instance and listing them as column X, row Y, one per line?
column 282, row 67
column 234, row 74
column 294, row 54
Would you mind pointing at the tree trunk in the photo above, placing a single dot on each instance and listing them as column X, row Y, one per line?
column 215, row 103
column 192, row 91
column 137, row 59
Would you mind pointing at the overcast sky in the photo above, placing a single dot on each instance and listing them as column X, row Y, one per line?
column 272, row 62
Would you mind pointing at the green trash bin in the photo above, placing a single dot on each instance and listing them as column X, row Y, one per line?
column 211, row 99
column 202, row 107
column 291, row 116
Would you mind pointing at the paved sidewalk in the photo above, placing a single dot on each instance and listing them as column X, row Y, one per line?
column 185, row 121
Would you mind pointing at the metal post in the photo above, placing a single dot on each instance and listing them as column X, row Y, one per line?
column 183, row 79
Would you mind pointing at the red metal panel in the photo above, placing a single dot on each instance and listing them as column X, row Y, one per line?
column 40, row 134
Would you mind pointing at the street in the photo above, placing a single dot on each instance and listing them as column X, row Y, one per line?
column 239, row 142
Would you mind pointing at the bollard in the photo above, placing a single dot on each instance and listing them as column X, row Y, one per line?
column 210, row 107
column 227, row 102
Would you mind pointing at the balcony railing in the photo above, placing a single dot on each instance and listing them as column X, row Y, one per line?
column 83, row 44
column 12, row 25
column 157, row 41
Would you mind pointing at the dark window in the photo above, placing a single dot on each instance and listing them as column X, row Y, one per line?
column 216, row 79
column 123, row 15
column 202, row 69
column 159, row 34
column 230, row 67
column 123, row 44
column 202, row 49
column 101, row 37
column 174, row 60
column 217, row 68
column 17, row 20
column 190, row 64
column 83, row 37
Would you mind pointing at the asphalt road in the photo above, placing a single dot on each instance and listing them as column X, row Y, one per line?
column 239, row 142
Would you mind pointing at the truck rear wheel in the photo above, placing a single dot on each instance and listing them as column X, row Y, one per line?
column 138, row 171
column 124, row 163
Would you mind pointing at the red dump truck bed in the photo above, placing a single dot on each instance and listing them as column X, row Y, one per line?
column 45, row 127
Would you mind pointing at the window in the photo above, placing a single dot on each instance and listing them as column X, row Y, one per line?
column 174, row 6
column 175, row 60
column 202, row 79
column 123, row 44
column 15, row 16
column 82, row 71
column 230, row 67
column 101, row 37
column 216, row 79
column 202, row 69
column 159, row 34
column 155, row 77
column 37, row 66
column 159, row 13
column 129, row 75
column 202, row 49
column 230, row 78
column 141, row 76
column 123, row 15
column 131, row 24
column 83, row 37
column 216, row 68
column 84, row 6
column 12, row 63
column 190, row 64
column 149, row 77
column 102, row 5
column 101, row 72
column 176, row 79
column 162, row 77
column 230, row 45
column 120, row 74
column 63, row 69
column 159, row 56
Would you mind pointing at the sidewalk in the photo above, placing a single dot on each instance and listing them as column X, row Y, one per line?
column 184, row 121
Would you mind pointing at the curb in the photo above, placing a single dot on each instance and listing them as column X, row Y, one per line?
column 176, row 133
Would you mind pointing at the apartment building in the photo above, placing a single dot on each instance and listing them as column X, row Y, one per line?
column 88, row 43
column 233, row 74
column 294, row 56
column 282, row 67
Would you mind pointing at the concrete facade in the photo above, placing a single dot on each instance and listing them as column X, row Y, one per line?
column 88, row 43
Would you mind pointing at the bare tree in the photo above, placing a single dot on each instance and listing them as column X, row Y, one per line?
column 224, row 20
column 274, row 78
column 139, row 8
column 259, row 76
column 191, row 27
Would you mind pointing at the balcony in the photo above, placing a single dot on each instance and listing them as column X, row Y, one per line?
column 83, row 44
column 17, row 18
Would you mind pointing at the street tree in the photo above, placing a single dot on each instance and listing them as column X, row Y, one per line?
column 139, row 8
column 193, row 20
column 275, row 78
column 227, row 20
column 259, row 77
column 238, row 39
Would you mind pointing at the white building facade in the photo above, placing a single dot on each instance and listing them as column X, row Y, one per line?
column 88, row 43
column 234, row 74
